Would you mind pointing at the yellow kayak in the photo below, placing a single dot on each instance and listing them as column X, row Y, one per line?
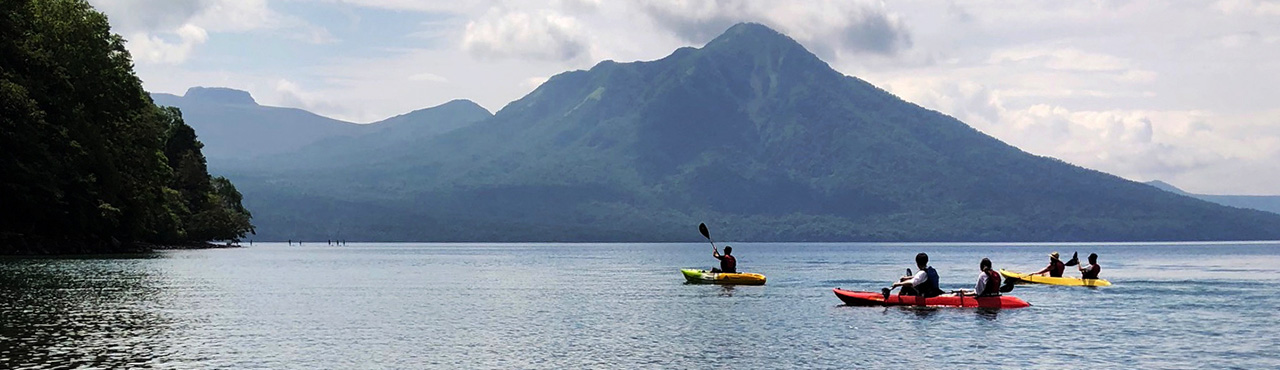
column 707, row 277
column 1053, row 280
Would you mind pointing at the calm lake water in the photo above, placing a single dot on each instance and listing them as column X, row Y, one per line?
column 373, row 306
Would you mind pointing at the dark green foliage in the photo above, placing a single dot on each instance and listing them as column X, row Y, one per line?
column 84, row 149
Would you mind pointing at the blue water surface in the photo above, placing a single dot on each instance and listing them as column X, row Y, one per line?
column 379, row 305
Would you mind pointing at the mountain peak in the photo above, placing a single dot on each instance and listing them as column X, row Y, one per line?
column 753, row 35
column 220, row 95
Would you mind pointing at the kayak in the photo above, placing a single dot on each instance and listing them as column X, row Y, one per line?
column 707, row 277
column 853, row 298
column 1017, row 276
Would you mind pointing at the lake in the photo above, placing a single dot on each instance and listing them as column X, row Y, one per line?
column 380, row 305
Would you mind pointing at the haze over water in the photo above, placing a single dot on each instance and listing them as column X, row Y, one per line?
column 626, row 305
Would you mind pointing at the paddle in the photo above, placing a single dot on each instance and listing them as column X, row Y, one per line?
column 886, row 291
column 1075, row 259
column 702, row 228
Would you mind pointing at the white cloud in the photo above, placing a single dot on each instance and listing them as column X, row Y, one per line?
column 1068, row 59
column 1249, row 7
column 155, row 49
column 542, row 35
column 428, row 77
column 152, row 24
column 1133, row 143
column 828, row 27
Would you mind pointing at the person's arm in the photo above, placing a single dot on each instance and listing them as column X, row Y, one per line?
column 1042, row 272
column 715, row 252
column 982, row 284
column 918, row 279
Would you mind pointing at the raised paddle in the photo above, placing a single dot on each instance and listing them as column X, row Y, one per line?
column 702, row 228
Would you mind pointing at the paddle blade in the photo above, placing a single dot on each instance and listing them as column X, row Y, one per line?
column 1007, row 287
column 702, row 228
column 1075, row 259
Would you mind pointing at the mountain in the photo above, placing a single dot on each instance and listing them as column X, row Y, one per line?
column 1268, row 203
column 752, row 134
column 234, row 127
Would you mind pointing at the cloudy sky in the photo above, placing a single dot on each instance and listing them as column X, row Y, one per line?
column 1187, row 92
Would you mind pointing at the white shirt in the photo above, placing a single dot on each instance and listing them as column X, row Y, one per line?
column 920, row 278
column 982, row 284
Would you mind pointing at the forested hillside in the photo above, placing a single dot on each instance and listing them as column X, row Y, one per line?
column 89, row 163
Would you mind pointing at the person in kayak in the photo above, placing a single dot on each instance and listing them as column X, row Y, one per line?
column 924, row 283
column 728, row 264
column 1091, row 271
column 988, row 281
column 1055, row 268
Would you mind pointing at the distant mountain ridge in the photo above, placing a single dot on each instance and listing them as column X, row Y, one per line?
column 751, row 133
column 234, row 127
column 1268, row 203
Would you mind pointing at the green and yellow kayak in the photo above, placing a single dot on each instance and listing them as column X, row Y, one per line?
column 1037, row 279
column 708, row 277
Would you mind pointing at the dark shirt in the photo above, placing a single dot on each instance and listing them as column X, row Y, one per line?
column 1056, row 268
column 1091, row 272
column 728, row 264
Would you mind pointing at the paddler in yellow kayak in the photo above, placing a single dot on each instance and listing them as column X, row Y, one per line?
column 1055, row 268
column 1091, row 271
column 728, row 264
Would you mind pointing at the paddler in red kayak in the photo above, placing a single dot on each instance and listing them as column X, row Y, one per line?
column 988, row 282
column 1091, row 271
column 728, row 264
column 1055, row 268
column 924, row 283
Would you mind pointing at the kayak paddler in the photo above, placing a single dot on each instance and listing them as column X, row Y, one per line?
column 1055, row 268
column 1091, row 271
column 728, row 264
column 988, row 281
column 924, row 283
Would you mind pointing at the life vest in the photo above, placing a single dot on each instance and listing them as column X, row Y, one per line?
column 930, row 288
column 1092, row 272
column 728, row 264
column 1056, row 268
column 993, row 284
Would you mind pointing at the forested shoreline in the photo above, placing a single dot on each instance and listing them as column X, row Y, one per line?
column 90, row 164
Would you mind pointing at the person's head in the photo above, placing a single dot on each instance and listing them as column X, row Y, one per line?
column 985, row 264
column 922, row 260
column 1053, row 256
column 1093, row 258
column 728, row 250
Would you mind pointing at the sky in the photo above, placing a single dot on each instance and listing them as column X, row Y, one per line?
column 1187, row 92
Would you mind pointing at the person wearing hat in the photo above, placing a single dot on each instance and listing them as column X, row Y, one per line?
column 1091, row 271
column 1055, row 267
column 728, row 264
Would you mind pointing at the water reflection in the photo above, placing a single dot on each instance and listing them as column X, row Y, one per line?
column 68, row 313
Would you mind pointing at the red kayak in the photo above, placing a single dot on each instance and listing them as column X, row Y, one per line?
column 853, row 298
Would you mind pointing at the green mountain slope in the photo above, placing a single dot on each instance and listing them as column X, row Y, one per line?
column 752, row 134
